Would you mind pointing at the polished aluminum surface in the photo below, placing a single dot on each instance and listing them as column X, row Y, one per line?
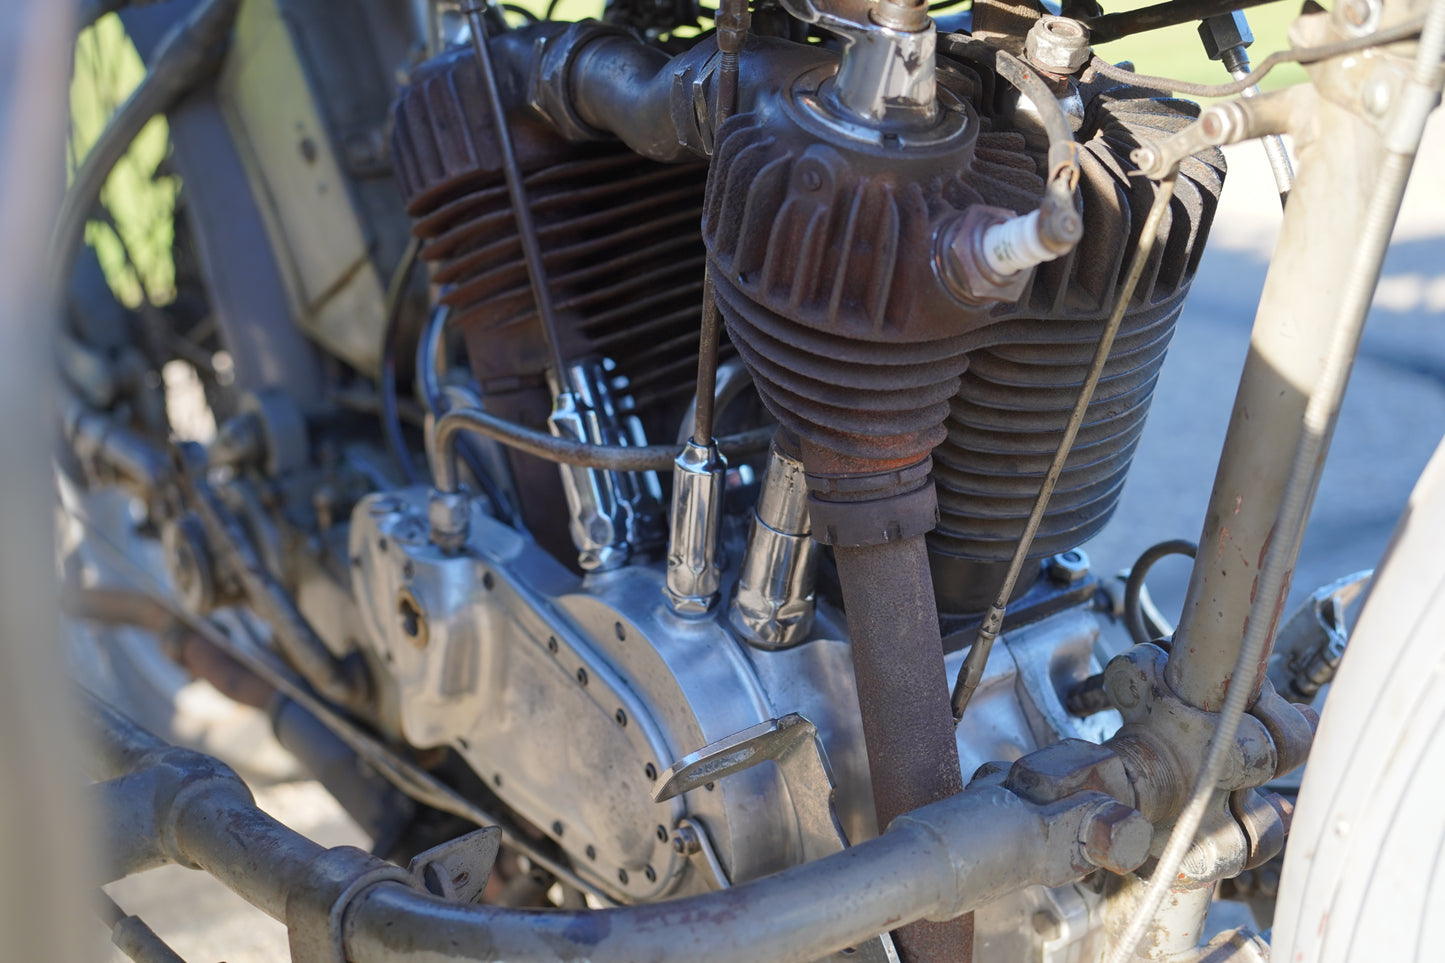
column 886, row 73
column 694, row 569
column 773, row 604
column 489, row 683
column 610, row 514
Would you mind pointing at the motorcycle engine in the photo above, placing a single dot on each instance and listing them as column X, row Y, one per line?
column 544, row 652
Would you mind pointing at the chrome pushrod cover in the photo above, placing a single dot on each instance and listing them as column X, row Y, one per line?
column 610, row 514
column 773, row 606
column 694, row 571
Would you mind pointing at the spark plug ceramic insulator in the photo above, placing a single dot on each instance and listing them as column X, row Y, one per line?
column 773, row 607
column 694, row 571
column 986, row 254
column 1015, row 245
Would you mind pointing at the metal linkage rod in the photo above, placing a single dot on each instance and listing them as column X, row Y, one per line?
column 132, row 936
column 516, row 189
column 971, row 671
column 707, row 348
column 564, row 451
column 1115, row 26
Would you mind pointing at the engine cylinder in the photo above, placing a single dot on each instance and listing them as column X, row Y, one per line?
column 1024, row 373
column 620, row 242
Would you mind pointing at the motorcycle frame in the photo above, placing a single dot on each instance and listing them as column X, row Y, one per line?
column 165, row 805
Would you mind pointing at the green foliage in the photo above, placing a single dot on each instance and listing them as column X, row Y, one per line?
column 135, row 246
column 1178, row 53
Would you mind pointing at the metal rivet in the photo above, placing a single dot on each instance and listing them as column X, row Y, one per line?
column 662, row 834
column 651, row 772
column 591, row 852
column 622, row 876
column 581, row 676
column 710, row 786
column 557, row 828
column 651, row 874
column 552, row 644
column 621, row 632
column 488, row 580
column 621, row 718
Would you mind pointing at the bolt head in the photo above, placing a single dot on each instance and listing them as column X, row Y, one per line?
column 1069, row 568
column 1116, row 837
column 448, row 514
column 1057, row 45
column 1376, row 96
column 686, row 842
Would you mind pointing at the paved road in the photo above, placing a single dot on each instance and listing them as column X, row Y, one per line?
column 1394, row 413
column 1392, row 421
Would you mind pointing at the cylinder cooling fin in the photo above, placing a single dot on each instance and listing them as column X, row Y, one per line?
column 827, row 290
column 621, row 244
column 1024, row 372
column 619, row 236
column 822, row 257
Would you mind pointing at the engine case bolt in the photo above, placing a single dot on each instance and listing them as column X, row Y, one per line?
column 686, row 842
column 1069, row 568
column 449, row 516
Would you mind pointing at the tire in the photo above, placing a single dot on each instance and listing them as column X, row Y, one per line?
column 1360, row 876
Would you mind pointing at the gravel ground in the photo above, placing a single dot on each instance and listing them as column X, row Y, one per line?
column 1391, row 423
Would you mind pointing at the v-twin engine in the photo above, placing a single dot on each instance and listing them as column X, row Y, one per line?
column 920, row 394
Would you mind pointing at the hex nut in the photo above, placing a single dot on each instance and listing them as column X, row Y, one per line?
column 449, row 516
column 1116, row 837
column 1224, row 32
column 1069, row 568
column 1057, row 45
column 1066, row 767
column 960, row 265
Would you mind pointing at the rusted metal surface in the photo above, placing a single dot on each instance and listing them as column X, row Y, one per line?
column 903, row 698
column 619, row 242
column 823, row 263
column 1024, row 372
column 180, row 806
